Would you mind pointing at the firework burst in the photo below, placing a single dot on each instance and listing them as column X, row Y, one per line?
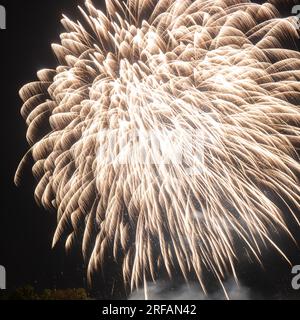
column 163, row 132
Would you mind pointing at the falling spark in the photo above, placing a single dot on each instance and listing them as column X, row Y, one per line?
column 164, row 130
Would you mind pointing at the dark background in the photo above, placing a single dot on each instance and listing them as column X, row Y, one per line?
column 25, row 229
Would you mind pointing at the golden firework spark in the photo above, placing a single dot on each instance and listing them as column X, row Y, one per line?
column 162, row 132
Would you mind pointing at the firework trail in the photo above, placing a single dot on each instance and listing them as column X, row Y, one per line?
column 163, row 132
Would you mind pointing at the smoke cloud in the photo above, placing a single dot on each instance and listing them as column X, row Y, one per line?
column 164, row 291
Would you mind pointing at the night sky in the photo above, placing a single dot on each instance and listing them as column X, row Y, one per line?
column 25, row 229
